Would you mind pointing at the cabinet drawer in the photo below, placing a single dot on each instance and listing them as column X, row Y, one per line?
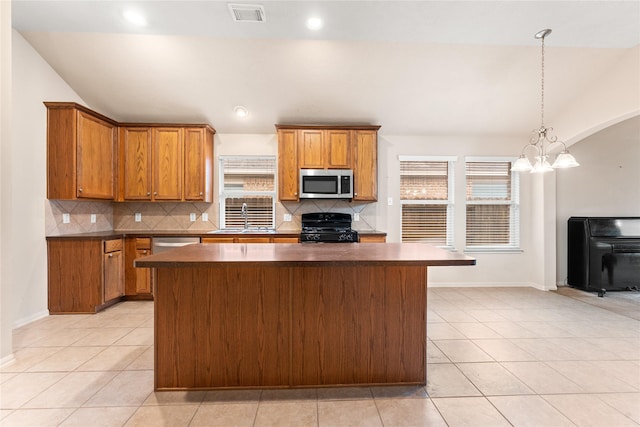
column 373, row 239
column 143, row 243
column 112, row 245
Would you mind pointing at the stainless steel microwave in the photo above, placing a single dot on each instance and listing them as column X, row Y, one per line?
column 326, row 184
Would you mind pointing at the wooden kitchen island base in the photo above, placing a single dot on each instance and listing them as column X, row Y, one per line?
column 347, row 320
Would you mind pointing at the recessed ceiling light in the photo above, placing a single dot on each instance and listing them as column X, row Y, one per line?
column 241, row 111
column 135, row 17
column 314, row 23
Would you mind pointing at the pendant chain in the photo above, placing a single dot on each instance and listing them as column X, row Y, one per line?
column 542, row 88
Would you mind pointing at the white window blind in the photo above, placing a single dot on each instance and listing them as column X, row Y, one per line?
column 493, row 211
column 250, row 180
column 426, row 195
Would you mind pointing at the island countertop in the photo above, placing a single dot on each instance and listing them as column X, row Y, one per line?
column 310, row 254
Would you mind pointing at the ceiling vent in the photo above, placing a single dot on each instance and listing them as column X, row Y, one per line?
column 247, row 12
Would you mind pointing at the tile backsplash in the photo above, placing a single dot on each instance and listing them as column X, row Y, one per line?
column 79, row 216
column 160, row 216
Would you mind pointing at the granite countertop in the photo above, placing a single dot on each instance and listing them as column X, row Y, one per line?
column 317, row 254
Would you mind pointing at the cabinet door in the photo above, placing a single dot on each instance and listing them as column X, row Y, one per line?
column 143, row 275
column 288, row 175
column 338, row 149
column 167, row 163
column 365, row 170
column 95, row 151
column 194, row 170
column 113, row 275
column 136, row 156
column 311, row 152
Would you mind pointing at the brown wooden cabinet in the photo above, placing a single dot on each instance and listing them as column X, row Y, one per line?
column 328, row 147
column 85, row 275
column 198, row 164
column 324, row 149
column 90, row 156
column 113, row 264
column 166, row 163
column 81, row 153
column 365, row 169
column 372, row 238
column 135, row 163
column 288, row 170
column 239, row 238
column 138, row 281
column 311, row 152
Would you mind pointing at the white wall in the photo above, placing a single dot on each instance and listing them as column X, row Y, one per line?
column 34, row 82
column 494, row 269
column 614, row 96
column 607, row 183
column 6, row 354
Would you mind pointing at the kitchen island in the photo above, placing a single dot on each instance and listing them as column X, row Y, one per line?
column 292, row 315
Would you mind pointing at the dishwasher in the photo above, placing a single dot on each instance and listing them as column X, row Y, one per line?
column 165, row 243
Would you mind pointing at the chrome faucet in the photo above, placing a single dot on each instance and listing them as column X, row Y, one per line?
column 244, row 212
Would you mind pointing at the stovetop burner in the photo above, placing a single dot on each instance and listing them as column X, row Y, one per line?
column 327, row 227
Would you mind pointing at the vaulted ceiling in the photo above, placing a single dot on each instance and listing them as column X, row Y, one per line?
column 414, row 67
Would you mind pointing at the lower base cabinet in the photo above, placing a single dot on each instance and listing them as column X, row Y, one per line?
column 248, row 239
column 138, row 281
column 86, row 275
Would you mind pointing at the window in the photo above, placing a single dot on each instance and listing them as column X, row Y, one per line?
column 493, row 210
column 250, row 180
column 426, row 196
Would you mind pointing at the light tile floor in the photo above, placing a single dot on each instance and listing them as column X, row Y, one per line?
column 496, row 356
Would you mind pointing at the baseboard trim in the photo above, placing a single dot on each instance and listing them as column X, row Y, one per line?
column 7, row 360
column 25, row 321
column 490, row 285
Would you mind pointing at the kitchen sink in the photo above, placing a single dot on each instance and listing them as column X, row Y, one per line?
column 244, row 231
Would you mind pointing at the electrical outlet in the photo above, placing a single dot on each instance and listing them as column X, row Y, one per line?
column 137, row 217
column 192, row 217
column 389, row 201
column 66, row 218
column 93, row 218
column 287, row 217
column 205, row 217
column 356, row 216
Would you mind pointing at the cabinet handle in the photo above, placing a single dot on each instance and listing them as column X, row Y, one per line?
column 79, row 190
column 295, row 194
column 144, row 252
column 355, row 194
column 110, row 255
column 155, row 193
column 148, row 193
column 201, row 193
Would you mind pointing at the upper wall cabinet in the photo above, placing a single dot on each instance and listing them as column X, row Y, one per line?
column 198, row 163
column 166, row 163
column 328, row 147
column 324, row 149
column 155, row 162
column 81, row 153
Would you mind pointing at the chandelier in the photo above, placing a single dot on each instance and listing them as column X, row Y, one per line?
column 542, row 142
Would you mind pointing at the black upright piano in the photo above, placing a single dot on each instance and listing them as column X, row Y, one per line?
column 604, row 253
